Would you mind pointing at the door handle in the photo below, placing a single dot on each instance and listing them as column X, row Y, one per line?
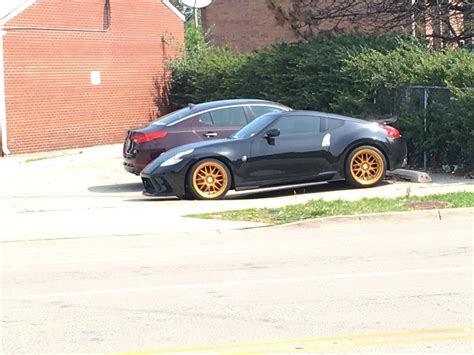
column 210, row 134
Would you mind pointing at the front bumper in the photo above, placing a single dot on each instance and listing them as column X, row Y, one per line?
column 156, row 187
column 163, row 185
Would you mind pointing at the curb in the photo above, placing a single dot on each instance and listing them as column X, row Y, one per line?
column 448, row 214
column 388, row 217
column 32, row 157
column 53, row 154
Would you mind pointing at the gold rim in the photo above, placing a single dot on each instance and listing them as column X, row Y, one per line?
column 367, row 167
column 210, row 180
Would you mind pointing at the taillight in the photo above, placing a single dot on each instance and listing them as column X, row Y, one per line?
column 140, row 138
column 391, row 131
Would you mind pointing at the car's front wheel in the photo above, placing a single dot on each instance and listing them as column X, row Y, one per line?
column 365, row 166
column 209, row 179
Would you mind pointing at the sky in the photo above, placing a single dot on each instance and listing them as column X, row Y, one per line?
column 6, row 6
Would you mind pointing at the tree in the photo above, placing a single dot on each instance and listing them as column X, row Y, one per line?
column 442, row 22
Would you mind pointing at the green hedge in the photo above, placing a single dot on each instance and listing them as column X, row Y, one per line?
column 356, row 74
column 303, row 75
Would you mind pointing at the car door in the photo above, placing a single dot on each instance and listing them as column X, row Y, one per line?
column 297, row 154
column 220, row 123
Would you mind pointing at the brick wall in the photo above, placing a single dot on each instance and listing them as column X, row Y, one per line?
column 50, row 101
column 244, row 25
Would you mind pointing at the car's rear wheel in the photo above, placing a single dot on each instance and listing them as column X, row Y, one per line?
column 365, row 166
column 209, row 179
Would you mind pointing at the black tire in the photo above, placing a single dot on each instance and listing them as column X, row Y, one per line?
column 208, row 179
column 365, row 166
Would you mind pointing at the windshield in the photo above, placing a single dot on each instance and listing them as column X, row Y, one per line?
column 256, row 126
column 172, row 117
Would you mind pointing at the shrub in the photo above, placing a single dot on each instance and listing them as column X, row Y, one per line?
column 356, row 74
column 303, row 75
column 373, row 74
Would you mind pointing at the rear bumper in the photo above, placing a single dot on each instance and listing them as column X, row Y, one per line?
column 137, row 160
column 397, row 154
column 131, row 168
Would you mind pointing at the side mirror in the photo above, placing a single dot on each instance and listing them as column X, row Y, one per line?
column 272, row 133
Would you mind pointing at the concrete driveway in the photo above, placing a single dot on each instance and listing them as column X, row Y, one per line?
column 86, row 193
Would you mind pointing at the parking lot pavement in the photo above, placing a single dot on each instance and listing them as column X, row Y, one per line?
column 86, row 192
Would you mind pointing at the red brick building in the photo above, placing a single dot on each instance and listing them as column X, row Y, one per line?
column 246, row 25
column 79, row 73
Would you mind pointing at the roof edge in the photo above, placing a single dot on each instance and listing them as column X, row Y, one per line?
column 16, row 11
column 173, row 8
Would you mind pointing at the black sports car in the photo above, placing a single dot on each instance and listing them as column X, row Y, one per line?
column 278, row 149
column 195, row 123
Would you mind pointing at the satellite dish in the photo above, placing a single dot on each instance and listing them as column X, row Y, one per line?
column 197, row 4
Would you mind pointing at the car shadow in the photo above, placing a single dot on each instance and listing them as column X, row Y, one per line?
column 152, row 199
column 295, row 190
column 131, row 187
column 285, row 191
column 282, row 191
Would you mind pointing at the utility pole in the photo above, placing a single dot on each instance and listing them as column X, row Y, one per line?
column 196, row 21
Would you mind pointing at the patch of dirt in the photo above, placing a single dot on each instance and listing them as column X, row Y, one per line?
column 427, row 205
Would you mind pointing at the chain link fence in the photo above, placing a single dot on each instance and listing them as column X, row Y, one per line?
column 437, row 122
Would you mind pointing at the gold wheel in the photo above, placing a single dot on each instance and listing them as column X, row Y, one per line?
column 367, row 167
column 210, row 180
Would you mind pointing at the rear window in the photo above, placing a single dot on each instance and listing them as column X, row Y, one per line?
column 328, row 124
column 172, row 117
column 231, row 116
column 206, row 119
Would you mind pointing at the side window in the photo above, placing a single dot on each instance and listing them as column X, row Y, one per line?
column 261, row 110
column 232, row 116
column 328, row 124
column 206, row 118
column 298, row 125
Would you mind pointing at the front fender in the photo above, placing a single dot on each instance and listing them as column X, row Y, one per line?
column 231, row 165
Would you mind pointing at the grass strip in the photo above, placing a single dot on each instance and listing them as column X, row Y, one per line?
column 320, row 208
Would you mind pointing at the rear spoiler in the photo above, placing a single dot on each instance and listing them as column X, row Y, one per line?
column 384, row 119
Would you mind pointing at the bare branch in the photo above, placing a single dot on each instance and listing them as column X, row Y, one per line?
column 451, row 21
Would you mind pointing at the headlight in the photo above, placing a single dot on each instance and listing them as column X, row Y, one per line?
column 177, row 158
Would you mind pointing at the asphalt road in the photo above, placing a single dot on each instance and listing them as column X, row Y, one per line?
column 381, row 288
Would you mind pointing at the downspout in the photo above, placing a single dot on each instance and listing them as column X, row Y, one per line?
column 3, row 109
